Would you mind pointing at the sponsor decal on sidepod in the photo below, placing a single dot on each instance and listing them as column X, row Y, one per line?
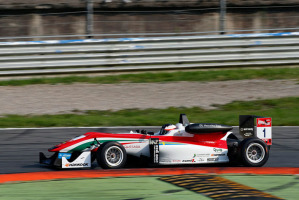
column 217, row 150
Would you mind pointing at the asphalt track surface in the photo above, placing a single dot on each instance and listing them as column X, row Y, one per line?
column 19, row 148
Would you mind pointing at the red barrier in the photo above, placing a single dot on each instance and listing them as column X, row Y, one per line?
column 34, row 176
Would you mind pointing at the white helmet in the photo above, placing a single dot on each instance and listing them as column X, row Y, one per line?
column 166, row 128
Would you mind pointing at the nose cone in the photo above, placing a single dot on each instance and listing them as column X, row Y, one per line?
column 68, row 143
column 58, row 147
column 54, row 148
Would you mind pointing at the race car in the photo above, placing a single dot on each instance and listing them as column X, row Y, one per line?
column 174, row 144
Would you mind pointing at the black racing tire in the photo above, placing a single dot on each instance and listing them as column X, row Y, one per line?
column 254, row 152
column 111, row 155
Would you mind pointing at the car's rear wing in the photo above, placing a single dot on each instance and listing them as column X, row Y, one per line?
column 256, row 126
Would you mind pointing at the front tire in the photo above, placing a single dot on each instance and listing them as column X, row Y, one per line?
column 254, row 152
column 111, row 155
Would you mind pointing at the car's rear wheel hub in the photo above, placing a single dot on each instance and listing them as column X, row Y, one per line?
column 255, row 153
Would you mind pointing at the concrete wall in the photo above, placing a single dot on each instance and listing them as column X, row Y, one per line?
column 44, row 21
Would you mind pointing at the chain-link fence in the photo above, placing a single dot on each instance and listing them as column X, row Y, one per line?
column 90, row 22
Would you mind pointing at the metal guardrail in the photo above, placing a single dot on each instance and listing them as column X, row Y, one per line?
column 133, row 54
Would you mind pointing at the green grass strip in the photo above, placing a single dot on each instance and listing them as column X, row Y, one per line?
column 200, row 75
column 284, row 111
column 147, row 188
column 124, row 188
column 285, row 187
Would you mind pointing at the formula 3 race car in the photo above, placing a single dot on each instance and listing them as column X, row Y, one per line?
column 179, row 144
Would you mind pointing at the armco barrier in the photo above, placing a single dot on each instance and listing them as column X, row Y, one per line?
column 134, row 54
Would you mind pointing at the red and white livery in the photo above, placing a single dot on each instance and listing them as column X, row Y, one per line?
column 173, row 144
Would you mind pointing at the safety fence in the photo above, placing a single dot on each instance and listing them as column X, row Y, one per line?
column 153, row 53
column 78, row 19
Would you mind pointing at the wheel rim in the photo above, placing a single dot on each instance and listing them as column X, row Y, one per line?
column 255, row 153
column 114, row 156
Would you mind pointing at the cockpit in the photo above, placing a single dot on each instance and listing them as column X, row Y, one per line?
column 171, row 129
column 166, row 128
column 175, row 130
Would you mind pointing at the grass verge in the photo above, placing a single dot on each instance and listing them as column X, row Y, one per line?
column 149, row 188
column 284, row 111
column 209, row 75
column 281, row 186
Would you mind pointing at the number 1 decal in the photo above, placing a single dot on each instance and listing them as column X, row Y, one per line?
column 264, row 129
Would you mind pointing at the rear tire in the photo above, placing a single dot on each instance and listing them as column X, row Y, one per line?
column 111, row 155
column 254, row 152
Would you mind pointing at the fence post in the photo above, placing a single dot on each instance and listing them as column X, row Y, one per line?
column 222, row 16
column 89, row 18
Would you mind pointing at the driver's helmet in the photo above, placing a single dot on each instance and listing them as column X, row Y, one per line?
column 166, row 128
